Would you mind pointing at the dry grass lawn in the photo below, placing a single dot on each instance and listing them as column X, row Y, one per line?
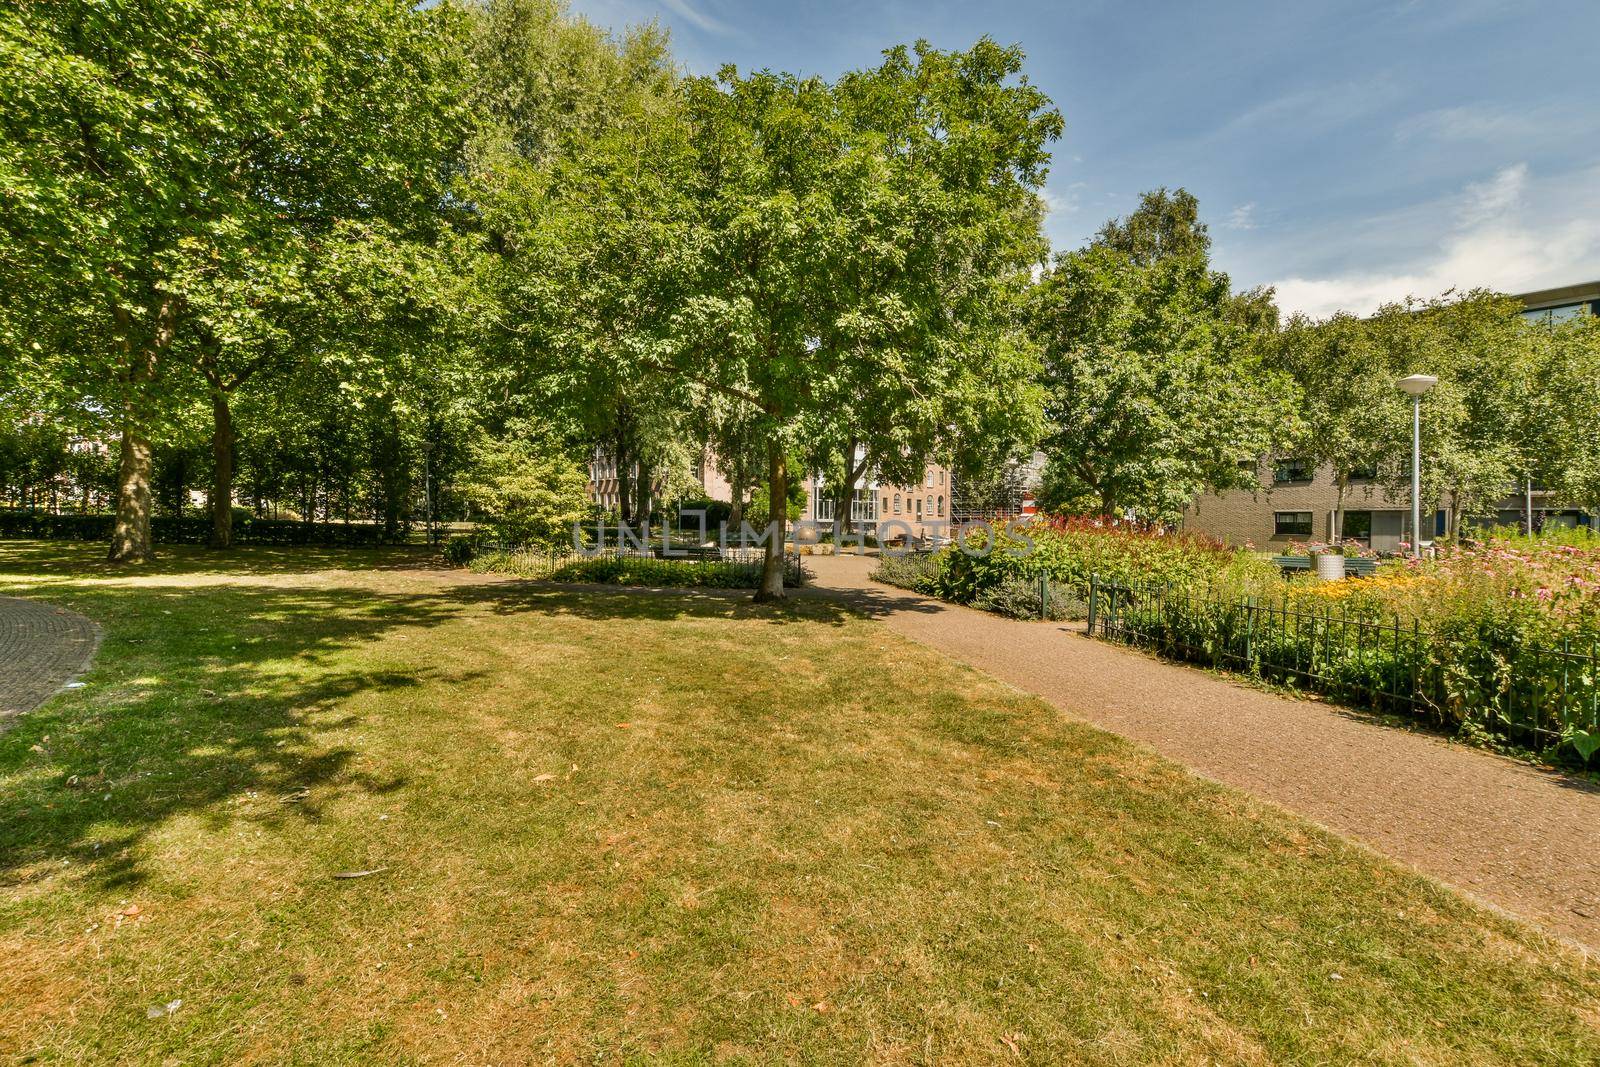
column 622, row 826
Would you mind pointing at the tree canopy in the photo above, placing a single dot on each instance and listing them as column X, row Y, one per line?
column 1156, row 390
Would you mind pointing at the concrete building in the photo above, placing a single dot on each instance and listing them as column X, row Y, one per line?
column 1296, row 503
column 1562, row 303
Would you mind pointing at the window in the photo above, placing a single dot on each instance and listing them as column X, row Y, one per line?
column 919, row 509
column 824, row 509
column 864, row 508
column 1291, row 470
column 1356, row 525
column 1563, row 313
column 1364, row 473
column 1291, row 524
column 941, row 475
column 941, row 507
column 897, row 503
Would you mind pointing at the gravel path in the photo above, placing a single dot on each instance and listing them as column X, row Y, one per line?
column 1522, row 839
column 42, row 648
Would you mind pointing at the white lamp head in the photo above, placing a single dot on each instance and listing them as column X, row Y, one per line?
column 1417, row 384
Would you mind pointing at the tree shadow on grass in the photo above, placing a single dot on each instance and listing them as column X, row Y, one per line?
column 205, row 694
column 226, row 693
column 87, row 559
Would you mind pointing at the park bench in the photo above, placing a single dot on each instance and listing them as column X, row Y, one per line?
column 1354, row 566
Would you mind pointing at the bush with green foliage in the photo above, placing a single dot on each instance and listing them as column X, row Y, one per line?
column 759, row 512
column 529, row 492
column 1069, row 551
column 718, row 574
column 1020, row 598
column 461, row 549
column 917, row 571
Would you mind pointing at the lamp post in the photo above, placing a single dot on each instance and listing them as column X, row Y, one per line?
column 1414, row 386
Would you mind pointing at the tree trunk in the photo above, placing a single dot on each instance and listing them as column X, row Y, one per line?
column 624, row 481
column 130, row 536
column 845, row 496
column 778, row 500
column 222, row 442
column 642, row 487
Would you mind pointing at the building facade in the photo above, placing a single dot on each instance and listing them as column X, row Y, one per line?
column 1562, row 303
column 921, row 510
column 1296, row 502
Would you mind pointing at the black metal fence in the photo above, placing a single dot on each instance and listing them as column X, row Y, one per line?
column 1532, row 694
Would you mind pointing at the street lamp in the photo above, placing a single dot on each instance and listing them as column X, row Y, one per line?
column 1414, row 386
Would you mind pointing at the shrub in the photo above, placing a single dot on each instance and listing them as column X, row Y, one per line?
column 1069, row 551
column 530, row 492
column 711, row 574
column 631, row 570
column 917, row 571
column 461, row 549
column 1018, row 598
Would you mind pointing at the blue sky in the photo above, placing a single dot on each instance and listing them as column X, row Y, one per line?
column 1346, row 152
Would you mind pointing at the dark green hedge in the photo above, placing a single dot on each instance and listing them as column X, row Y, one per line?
column 170, row 530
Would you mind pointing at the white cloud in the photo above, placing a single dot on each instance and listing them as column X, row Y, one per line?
column 1476, row 123
column 1494, row 199
column 1491, row 238
column 1241, row 217
column 1065, row 202
column 696, row 17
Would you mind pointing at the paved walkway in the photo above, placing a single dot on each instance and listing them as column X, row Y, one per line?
column 1522, row 839
column 42, row 648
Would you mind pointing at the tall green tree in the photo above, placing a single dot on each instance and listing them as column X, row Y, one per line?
column 1156, row 388
column 1569, row 422
column 161, row 157
column 576, row 174
column 852, row 240
column 1350, row 411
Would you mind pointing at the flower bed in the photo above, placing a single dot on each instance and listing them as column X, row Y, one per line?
column 1548, row 587
column 1499, row 639
column 1067, row 552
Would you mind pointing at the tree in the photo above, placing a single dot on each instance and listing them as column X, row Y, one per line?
column 1156, row 390
column 852, row 238
column 530, row 493
column 575, row 175
column 1569, row 377
column 168, row 160
column 1166, row 225
column 1350, row 409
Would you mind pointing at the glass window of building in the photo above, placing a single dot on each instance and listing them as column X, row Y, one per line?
column 1356, row 525
column 1291, row 523
column 1291, row 470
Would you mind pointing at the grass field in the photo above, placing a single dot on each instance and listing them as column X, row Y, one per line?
column 670, row 827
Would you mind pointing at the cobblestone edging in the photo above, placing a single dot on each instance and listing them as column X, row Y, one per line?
column 42, row 648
